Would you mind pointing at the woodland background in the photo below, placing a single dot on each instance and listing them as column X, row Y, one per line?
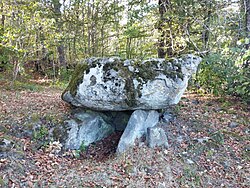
column 41, row 41
column 51, row 36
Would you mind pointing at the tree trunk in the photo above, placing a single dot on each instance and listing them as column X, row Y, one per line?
column 205, row 33
column 102, row 41
column 89, row 28
column 247, row 7
column 61, row 56
column 77, row 12
column 60, row 48
column 128, row 48
column 164, row 43
column 246, row 64
column 116, row 20
column 2, row 19
column 1, row 28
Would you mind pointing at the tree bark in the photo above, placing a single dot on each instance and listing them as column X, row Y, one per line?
column 60, row 48
column 205, row 33
column 246, row 64
column 247, row 7
column 2, row 18
column 128, row 48
column 164, row 43
column 89, row 28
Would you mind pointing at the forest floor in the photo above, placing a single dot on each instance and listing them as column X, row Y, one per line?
column 209, row 146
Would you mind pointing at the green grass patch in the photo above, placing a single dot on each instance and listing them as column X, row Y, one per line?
column 189, row 177
column 20, row 86
column 41, row 133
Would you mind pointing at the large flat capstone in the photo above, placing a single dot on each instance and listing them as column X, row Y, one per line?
column 113, row 84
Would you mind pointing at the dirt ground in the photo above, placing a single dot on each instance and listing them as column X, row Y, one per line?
column 209, row 146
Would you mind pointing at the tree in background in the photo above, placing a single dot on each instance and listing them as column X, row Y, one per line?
column 247, row 18
column 164, row 35
column 51, row 36
column 59, row 27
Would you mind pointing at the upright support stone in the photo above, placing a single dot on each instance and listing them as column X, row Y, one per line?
column 156, row 137
column 86, row 130
column 137, row 126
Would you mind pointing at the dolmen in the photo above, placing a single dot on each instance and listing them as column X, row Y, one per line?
column 114, row 94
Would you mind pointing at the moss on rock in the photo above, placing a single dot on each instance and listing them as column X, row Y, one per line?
column 77, row 78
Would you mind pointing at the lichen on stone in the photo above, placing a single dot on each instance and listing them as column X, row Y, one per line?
column 130, row 91
column 146, row 71
column 171, row 68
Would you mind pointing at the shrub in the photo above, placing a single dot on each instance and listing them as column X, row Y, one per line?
column 226, row 73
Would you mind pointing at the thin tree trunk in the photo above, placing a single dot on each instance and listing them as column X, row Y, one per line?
column 2, row 18
column 94, row 20
column 205, row 33
column 2, row 25
column 69, row 53
column 89, row 29
column 60, row 47
column 246, row 64
column 102, row 41
column 164, row 41
column 76, row 30
column 37, row 62
column 83, row 29
column 128, row 48
column 247, row 5
column 116, row 19
column 61, row 55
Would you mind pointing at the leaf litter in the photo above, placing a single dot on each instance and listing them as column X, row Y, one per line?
column 209, row 146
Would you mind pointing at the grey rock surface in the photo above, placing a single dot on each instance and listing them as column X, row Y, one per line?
column 167, row 117
column 85, row 129
column 112, row 84
column 156, row 137
column 5, row 145
column 137, row 126
column 233, row 125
